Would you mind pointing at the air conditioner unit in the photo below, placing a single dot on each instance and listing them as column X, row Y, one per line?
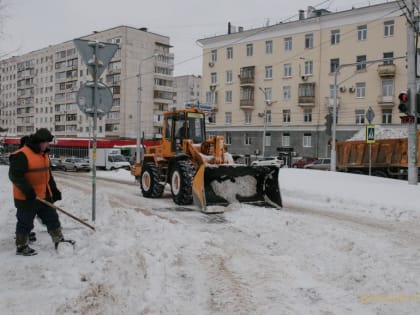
column 342, row 89
column 352, row 89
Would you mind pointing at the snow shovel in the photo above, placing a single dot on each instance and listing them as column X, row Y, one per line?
column 65, row 212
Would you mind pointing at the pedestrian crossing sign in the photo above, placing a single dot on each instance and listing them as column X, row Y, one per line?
column 370, row 134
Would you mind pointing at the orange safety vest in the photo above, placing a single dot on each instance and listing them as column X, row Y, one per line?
column 38, row 174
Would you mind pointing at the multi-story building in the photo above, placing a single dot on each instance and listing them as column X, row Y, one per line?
column 284, row 74
column 187, row 90
column 39, row 89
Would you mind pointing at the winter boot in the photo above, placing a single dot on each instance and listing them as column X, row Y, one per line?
column 22, row 247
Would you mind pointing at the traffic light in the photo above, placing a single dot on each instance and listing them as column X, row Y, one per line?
column 404, row 105
column 328, row 123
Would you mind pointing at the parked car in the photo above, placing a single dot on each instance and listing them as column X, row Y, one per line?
column 303, row 161
column 320, row 164
column 56, row 164
column 272, row 160
column 75, row 164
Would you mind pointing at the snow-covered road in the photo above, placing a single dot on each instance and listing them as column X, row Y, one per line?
column 150, row 257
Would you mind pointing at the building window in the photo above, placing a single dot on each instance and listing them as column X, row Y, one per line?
column 212, row 118
column 309, row 40
column 287, row 92
column 335, row 37
column 309, row 65
column 228, row 96
column 268, row 92
column 285, row 140
column 387, row 116
column 362, row 32
column 388, row 58
column 228, row 118
column 209, row 97
column 213, row 78
column 228, row 137
column 307, row 115
column 248, row 117
column 247, row 139
column 360, row 89
column 269, row 47
column 307, row 89
column 388, row 88
column 267, row 139
column 389, row 28
column 214, row 55
column 229, row 53
column 360, row 116
column 268, row 116
column 307, row 140
column 286, row 115
column 249, row 50
column 268, row 72
column 287, row 70
column 361, row 62
column 334, row 64
column 288, row 44
column 229, row 76
column 332, row 90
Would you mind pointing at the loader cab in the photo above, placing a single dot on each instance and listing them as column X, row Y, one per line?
column 184, row 125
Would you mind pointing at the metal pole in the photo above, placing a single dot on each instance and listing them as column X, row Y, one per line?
column 334, row 124
column 265, row 129
column 95, row 118
column 370, row 159
column 412, row 126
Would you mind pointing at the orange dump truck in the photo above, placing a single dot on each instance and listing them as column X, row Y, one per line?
column 389, row 157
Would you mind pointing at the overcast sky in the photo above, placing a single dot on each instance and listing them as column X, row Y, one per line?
column 34, row 24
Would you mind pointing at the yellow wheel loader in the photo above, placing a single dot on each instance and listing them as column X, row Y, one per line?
column 200, row 170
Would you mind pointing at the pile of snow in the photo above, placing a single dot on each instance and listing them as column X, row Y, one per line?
column 381, row 133
column 341, row 243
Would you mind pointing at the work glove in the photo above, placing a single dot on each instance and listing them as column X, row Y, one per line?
column 56, row 195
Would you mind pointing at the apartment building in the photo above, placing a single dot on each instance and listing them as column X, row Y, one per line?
column 39, row 89
column 284, row 74
column 187, row 90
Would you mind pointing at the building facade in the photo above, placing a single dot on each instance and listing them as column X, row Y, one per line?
column 39, row 89
column 281, row 78
column 187, row 90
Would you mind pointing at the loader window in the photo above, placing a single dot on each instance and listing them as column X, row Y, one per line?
column 196, row 127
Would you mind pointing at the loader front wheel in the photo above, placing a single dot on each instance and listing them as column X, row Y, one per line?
column 149, row 181
column 181, row 183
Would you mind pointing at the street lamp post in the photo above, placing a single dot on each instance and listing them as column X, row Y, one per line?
column 138, row 136
column 264, row 115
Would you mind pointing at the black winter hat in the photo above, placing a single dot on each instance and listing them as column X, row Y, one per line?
column 42, row 135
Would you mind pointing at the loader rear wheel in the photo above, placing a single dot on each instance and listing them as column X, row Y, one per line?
column 149, row 181
column 181, row 183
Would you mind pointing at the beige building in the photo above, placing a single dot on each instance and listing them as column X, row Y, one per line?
column 292, row 66
column 39, row 89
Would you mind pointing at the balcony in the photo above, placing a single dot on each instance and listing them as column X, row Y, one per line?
column 329, row 102
column 387, row 70
column 163, row 88
column 247, row 76
column 386, row 101
column 306, row 100
column 247, row 103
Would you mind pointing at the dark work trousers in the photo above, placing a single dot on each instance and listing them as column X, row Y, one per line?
column 25, row 219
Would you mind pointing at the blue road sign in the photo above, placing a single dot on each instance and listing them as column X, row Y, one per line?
column 370, row 134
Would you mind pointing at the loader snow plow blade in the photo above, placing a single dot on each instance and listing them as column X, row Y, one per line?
column 223, row 184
